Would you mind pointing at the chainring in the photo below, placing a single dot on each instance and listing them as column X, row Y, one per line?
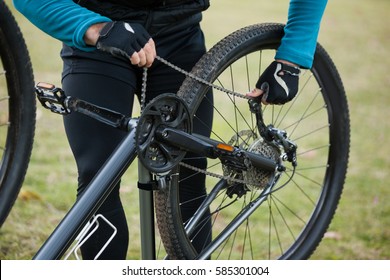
column 165, row 110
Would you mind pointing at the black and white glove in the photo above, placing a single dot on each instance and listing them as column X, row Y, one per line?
column 122, row 39
column 279, row 83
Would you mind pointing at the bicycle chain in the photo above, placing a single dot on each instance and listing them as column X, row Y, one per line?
column 200, row 80
column 188, row 74
column 143, row 89
column 208, row 173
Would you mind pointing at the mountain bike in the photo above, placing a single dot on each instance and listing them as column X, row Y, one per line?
column 17, row 110
column 274, row 174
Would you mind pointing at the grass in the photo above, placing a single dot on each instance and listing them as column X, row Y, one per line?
column 355, row 33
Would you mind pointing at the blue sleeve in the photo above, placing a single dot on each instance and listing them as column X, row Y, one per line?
column 61, row 19
column 301, row 32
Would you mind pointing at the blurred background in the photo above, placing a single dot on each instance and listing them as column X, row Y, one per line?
column 356, row 33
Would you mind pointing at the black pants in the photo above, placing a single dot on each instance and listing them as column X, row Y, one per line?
column 112, row 83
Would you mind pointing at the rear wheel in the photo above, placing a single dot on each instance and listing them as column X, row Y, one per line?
column 289, row 222
column 17, row 110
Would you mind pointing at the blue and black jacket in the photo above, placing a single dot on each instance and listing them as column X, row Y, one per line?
column 68, row 20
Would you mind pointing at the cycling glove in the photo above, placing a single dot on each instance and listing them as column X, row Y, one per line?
column 279, row 83
column 122, row 39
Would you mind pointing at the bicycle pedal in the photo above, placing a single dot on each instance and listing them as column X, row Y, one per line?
column 52, row 98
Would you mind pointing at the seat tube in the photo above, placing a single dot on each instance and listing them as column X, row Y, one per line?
column 146, row 206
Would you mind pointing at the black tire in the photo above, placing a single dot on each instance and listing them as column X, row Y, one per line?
column 17, row 110
column 291, row 222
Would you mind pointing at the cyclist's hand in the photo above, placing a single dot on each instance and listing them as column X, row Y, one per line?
column 129, row 40
column 278, row 84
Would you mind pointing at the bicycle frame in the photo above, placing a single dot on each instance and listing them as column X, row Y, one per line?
column 109, row 175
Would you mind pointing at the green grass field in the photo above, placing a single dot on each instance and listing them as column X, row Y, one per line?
column 356, row 35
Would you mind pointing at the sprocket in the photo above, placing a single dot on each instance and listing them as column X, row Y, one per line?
column 165, row 110
column 253, row 177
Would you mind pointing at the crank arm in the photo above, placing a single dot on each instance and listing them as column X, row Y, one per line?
column 101, row 114
column 55, row 99
column 210, row 148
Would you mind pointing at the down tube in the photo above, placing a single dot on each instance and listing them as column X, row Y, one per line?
column 94, row 195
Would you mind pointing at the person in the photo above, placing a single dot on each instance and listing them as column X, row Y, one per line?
column 105, row 46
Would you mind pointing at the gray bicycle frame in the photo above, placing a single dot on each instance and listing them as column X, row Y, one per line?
column 95, row 194
column 111, row 172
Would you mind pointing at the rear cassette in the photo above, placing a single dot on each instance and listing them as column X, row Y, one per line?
column 254, row 178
